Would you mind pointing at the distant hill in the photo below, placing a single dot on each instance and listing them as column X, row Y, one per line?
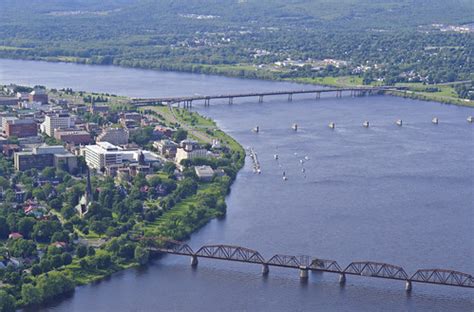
column 340, row 13
column 384, row 38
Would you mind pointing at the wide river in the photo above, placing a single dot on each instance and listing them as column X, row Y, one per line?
column 401, row 195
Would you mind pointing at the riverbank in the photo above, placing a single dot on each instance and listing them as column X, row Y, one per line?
column 443, row 93
column 189, row 204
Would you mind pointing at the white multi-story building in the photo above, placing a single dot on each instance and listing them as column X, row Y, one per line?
column 183, row 154
column 103, row 155
column 116, row 136
column 56, row 121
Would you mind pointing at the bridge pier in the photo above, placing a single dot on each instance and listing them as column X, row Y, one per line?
column 290, row 97
column 260, row 98
column 342, row 278
column 194, row 260
column 231, row 100
column 188, row 104
column 408, row 286
column 265, row 269
column 304, row 272
column 207, row 102
column 318, row 95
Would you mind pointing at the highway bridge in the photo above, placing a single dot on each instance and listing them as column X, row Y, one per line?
column 188, row 100
column 305, row 264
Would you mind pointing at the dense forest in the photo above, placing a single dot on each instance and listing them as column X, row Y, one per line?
column 386, row 40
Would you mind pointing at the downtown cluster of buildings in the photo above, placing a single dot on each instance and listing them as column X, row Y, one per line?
column 29, row 120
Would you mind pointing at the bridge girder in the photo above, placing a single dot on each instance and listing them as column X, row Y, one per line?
column 376, row 269
column 443, row 277
column 168, row 245
column 229, row 252
column 326, row 265
column 290, row 261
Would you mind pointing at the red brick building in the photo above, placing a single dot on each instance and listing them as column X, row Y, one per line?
column 39, row 95
column 21, row 128
column 76, row 137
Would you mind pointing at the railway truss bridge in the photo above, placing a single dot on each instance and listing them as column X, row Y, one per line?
column 306, row 263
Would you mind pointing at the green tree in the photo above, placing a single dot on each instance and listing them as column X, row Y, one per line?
column 25, row 226
column 4, row 228
column 180, row 135
column 30, row 294
column 66, row 258
column 81, row 251
column 141, row 255
column 22, row 248
column 54, row 283
column 7, row 302
column 48, row 172
column 36, row 270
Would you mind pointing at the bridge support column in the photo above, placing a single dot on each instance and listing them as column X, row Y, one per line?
column 260, row 98
column 231, row 100
column 194, row 260
column 303, row 272
column 290, row 97
column 265, row 269
column 318, row 95
column 342, row 278
column 408, row 286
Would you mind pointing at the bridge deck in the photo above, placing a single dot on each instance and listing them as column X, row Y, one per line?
column 258, row 94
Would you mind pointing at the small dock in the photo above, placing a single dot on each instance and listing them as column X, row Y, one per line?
column 255, row 162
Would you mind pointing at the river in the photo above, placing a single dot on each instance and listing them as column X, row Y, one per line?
column 401, row 195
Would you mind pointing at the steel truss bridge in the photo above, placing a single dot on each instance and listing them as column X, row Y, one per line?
column 307, row 263
column 188, row 100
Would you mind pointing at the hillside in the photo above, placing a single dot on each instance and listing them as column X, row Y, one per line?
column 390, row 40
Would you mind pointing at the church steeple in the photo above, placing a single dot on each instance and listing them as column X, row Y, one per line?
column 88, row 186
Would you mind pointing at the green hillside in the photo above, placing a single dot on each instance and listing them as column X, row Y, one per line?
column 389, row 40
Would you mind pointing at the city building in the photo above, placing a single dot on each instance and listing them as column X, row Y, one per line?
column 57, row 121
column 74, row 137
column 166, row 148
column 190, row 150
column 161, row 131
column 115, row 136
column 9, row 149
column 204, row 173
column 99, row 109
column 21, row 128
column 5, row 119
column 38, row 95
column 8, row 101
column 23, row 96
column 45, row 156
column 104, row 155
column 130, row 120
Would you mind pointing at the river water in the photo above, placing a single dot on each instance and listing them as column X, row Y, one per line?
column 401, row 195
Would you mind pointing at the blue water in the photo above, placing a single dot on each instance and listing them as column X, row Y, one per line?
column 401, row 195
